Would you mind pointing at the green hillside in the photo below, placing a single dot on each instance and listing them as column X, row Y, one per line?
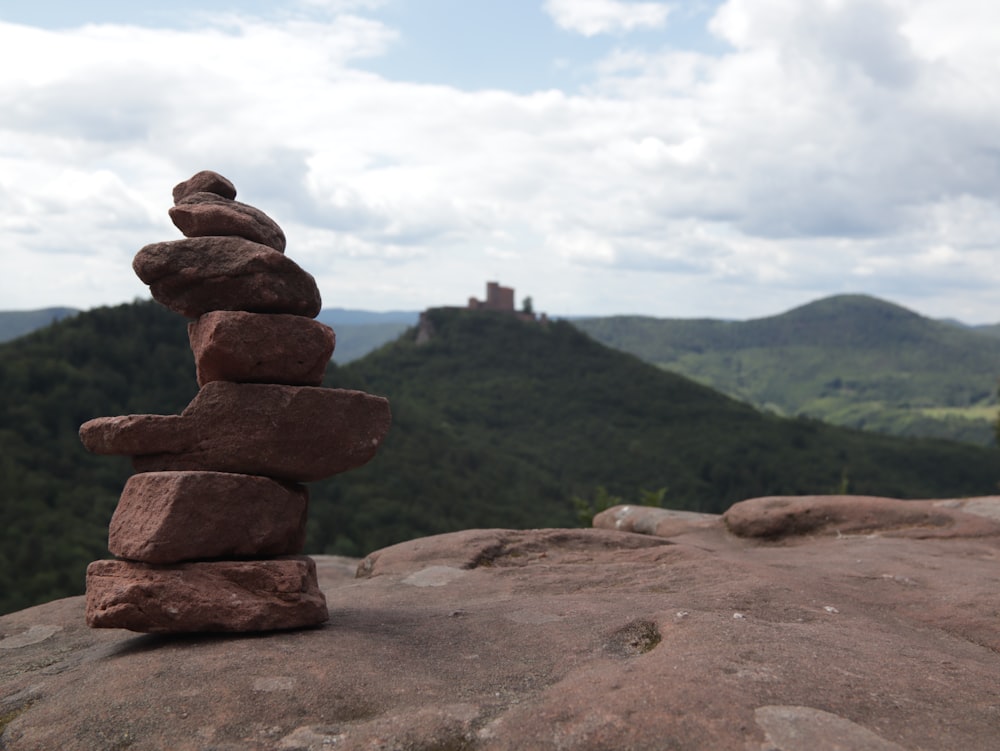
column 992, row 329
column 496, row 423
column 55, row 498
column 851, row 360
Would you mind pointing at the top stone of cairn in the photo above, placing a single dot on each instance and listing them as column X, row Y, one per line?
column 205, row 181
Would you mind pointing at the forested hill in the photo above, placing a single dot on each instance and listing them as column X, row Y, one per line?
column 508, row 411
column 497, row 422
column 852, row 360
column 55, row 498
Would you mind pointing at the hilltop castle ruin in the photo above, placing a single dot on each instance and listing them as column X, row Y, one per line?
column 499, row 299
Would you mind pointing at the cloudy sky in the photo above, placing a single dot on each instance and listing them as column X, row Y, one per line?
column 726, row 159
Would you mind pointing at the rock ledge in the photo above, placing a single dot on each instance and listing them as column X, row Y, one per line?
column 559, row 639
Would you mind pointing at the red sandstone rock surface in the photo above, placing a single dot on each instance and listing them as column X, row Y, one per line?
column 258, row 348
column 579, row 640
column 205, row 181
column 206, row 214
column 170, row 517
column 260, row 595
column 777, row 517
column 295, row 433
column 200, row 274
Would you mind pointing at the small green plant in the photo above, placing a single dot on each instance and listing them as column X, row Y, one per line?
column 587, row 508
column 652, row 497
column 844, row 486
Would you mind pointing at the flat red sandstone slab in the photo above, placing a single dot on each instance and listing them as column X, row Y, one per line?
column 555, row 640
column 649, row 520
column 779, row 517
column 260, row 348
column 206, row 214
column 170, row 517
column 263, row 595
column 297, row 433
column 197, row 275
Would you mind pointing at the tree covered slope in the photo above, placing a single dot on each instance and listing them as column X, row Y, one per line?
column 497, row 422
column 852, row 360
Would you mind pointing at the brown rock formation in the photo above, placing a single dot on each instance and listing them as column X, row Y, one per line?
column 206, row 214
column 296, row 433
column 649, row 520
column 215, row 480
column 258, row 348
column 263, row 595
column 778, row 517
column 577, row 640
column 170, row 517
column 205, row 181
column 201, row 274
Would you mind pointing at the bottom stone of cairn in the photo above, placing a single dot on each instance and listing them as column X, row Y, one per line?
column 263, row 595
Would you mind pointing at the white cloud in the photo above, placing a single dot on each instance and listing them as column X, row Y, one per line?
column 806, row 160
column 593, row 17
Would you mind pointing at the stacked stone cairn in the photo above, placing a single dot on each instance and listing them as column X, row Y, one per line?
column 208, row 532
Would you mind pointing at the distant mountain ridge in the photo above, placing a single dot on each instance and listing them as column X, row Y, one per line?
column 352, row 317
column 852, row 360
column 991, row 329
column 15, row 323
column 358, row 331
column 361, row 331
